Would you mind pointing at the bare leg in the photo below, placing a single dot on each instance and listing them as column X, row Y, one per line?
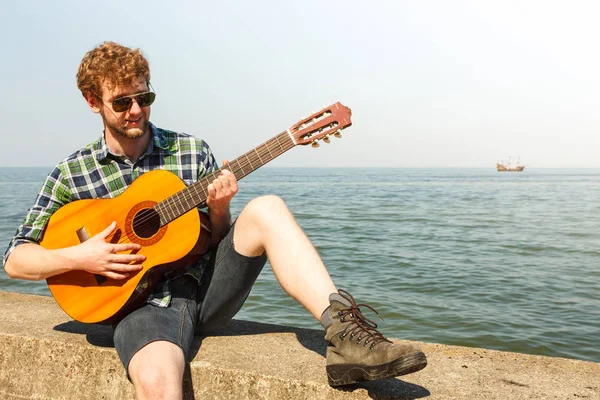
column 355, row 350
column 157, row 371
column 266, row 224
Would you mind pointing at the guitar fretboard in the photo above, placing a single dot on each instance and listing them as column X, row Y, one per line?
column 197, row 193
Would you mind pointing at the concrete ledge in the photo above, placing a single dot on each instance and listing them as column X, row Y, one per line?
column 44, row 355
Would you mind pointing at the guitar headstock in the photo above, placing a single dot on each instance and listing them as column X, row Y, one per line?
column 321, row 125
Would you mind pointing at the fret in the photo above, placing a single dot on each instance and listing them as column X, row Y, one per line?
column 172, row 213
column 158, row 208
column 168, row 210
column 204, row 192
column 188, row 204
column 240, row 167
column 258, row 155
column 267, row 147
column 194, row 194
column 277, row 139
column 163, row 212
column 176, row 202
column 249, row 162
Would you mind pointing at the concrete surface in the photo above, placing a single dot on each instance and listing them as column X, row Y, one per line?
column 44, row 355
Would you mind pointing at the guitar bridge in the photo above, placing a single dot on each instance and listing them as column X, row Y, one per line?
column 82, row 234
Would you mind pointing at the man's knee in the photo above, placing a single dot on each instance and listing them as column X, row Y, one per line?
column 156, row 382
column 157, row 377
column 267, row 206
column 150, row 383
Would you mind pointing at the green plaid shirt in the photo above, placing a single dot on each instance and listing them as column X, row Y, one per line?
column 95, row 173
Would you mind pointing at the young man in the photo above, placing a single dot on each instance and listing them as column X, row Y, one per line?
column 154, row 341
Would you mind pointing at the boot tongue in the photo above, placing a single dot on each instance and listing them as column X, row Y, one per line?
column 337, row 297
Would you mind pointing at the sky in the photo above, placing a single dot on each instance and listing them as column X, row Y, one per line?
column 430, row 83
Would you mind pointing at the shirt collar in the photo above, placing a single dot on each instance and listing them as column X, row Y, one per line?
column 166, row 143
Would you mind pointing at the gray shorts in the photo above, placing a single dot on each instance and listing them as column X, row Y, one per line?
column 194, row 308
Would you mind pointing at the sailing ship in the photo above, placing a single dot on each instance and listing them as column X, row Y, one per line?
column 507, row 167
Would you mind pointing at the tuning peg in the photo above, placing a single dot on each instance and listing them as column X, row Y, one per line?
column 315, row 144
column 326, row 139
column 338, row 134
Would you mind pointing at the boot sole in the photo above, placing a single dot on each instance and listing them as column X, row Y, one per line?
column 347, row 374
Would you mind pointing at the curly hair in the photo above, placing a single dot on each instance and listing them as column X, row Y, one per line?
column 113, row 64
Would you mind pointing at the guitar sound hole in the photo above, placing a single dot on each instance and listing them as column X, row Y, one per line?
column 146, row 223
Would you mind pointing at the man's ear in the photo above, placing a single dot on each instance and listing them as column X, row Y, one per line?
column 93, row 102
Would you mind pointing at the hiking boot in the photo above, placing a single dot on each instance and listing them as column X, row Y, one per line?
column 356, row 351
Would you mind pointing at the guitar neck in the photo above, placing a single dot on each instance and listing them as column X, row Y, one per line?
column 197, row 193
column 255, row 158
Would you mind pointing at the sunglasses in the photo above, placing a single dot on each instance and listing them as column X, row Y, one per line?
column 142, row 99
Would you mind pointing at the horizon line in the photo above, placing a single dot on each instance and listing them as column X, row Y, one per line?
column 351, row 167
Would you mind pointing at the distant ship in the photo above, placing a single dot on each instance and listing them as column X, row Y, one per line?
column 506, row 167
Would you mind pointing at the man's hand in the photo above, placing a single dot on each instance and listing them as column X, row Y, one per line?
column 97, row 256
column 221, row 191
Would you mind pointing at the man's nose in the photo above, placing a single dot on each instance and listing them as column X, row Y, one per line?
column 135, row 107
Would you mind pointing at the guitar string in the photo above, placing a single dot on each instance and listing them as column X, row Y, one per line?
column 252, row 158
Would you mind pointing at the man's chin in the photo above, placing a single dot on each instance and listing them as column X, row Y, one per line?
column 133, row 133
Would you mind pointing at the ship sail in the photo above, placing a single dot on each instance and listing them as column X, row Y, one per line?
column 502, row 166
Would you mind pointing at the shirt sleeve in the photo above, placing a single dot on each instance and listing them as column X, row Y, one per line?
column 54, row 194
column 208, row 162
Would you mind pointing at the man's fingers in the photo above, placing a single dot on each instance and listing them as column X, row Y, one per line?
column 228, row 179
column 211, row 190
column 126, row 247
column 225, row 172
column 108, row 230
column 227, row 176
column 115, row 275
column 224, row 186
column 217, row 183
column 122, row 268
column 122, row 260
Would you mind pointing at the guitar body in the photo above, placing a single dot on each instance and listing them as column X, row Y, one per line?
column 94, row 298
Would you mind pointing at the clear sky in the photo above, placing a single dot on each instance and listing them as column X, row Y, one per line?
column 430, row 83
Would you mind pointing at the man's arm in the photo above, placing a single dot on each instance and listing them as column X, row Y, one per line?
column 219, row 225
column 26, row 259
column 31, row 261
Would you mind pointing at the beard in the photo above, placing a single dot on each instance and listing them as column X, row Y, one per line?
column 128, row 133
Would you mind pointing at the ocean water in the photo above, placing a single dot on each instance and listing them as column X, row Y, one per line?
column 473, row 257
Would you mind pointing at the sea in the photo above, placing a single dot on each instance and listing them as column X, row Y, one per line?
column 470, row 257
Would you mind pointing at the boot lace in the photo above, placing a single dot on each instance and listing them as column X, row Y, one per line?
column 360, row 325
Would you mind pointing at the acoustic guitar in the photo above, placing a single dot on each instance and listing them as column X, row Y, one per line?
column 160, row 213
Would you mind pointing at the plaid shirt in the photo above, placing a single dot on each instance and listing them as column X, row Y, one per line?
column 95, row 173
